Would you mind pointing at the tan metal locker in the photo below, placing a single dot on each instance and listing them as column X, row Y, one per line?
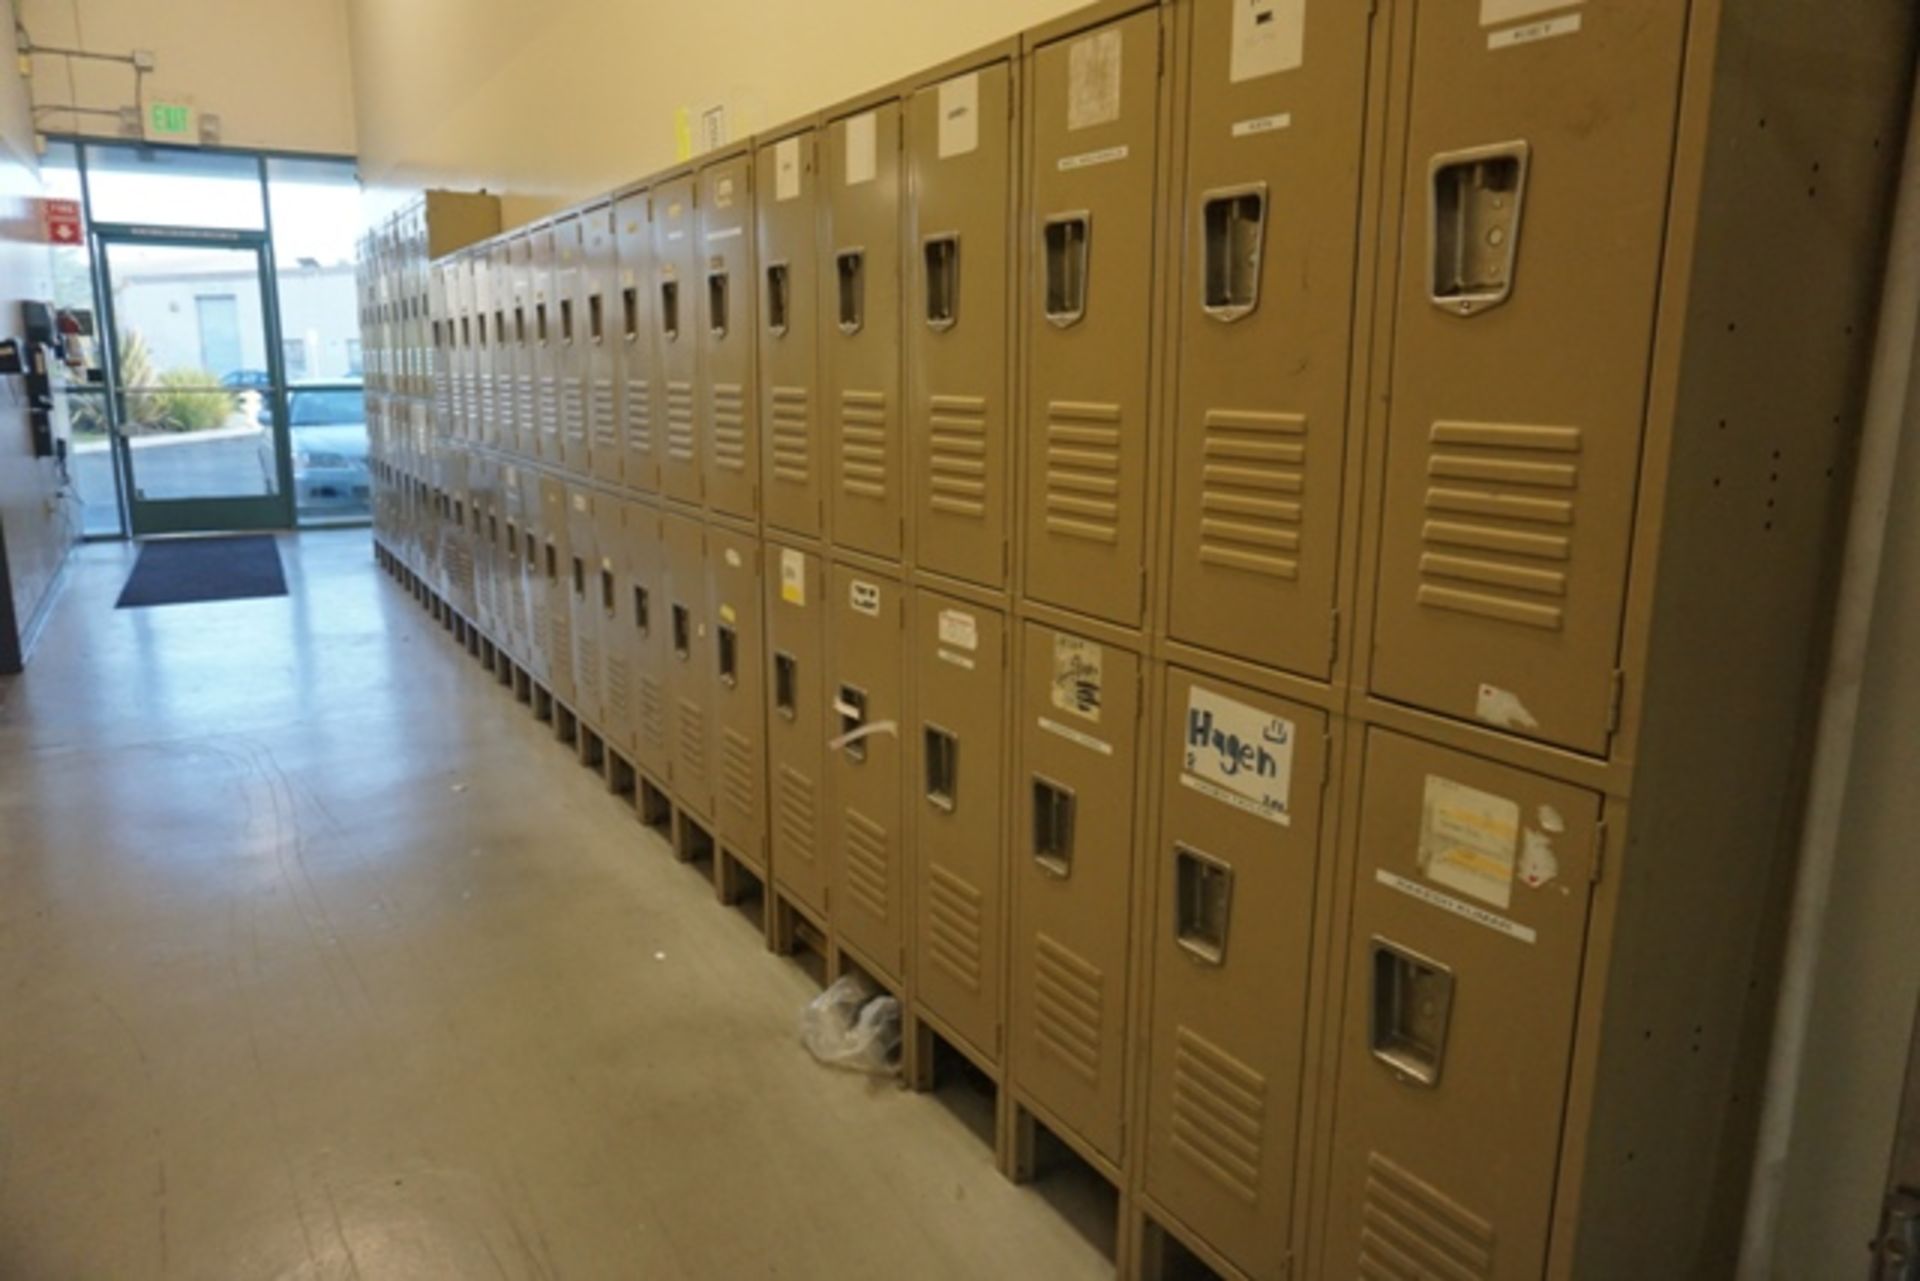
column 690, row 680
column 543, row 323
column 729, row 404
column 676, row 349
column 860, row 329
column 958, row 325
column 864, row 685
column 484, row 525
column 1264, row 328
column 797, row 725
column 533, row 566
column 632, row 244
column 1471, row 885
column 513, row 573
column 486, row 424
column 617, row 600
column 500, row 294
column 449, row 405
column 1530, row 241
column 588, row 605
column 1078, row 732
column 1241, row 779
column 957, row 773
column 786, row 220
column 600, row 334
column 526, row 421
column 555, row 560
column 739, row 693
column 651, row 652
column 444, row 328
column 570, row 350
column 456, row 538
column 1093, row 113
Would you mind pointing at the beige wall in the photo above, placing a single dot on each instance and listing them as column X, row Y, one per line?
column 554, row 102
column 275, row 71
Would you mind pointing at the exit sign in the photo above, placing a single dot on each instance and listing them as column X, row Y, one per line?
column 171, row 122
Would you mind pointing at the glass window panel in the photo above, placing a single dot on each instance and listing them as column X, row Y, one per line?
column 156, row 187
column 90, row 453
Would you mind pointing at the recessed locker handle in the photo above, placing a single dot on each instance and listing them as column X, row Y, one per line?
column 1473, row 225
column 596, row 319
column 786, row 684
column 1412, row 999
column 579, row 578
column 630, row 313
column 1053, row 805
column 942, row 753
column 851, row 707
column 642, row 609
column 778, row 292
column 717, row 300
column 606, row 591
column 670, row 309
column 851, row 268
column 941, row 279
column 727, row 654
column 1064, row 249
column 682, row 632
column 1233, row 227
column 1203, row 904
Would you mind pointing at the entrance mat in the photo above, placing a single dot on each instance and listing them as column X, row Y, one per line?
column 183, row 571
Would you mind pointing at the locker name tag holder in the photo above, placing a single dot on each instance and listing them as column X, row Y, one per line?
column 1262, row 124
column 1529, row 32
column 1087, row 159
column 1238, row 754
column 1073, row 735
column 1447, row 903
column 864, row 597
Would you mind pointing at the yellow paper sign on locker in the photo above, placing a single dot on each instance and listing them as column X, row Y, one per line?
column 1468, row 839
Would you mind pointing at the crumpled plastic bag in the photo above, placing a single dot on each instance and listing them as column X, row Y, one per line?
column 852, row 1026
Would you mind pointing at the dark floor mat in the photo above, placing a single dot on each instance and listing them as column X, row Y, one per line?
column 182, row 571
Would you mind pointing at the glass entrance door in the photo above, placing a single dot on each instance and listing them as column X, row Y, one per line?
column 200, row 436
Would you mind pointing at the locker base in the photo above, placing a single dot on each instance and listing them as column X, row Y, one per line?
column 622, row 780
column 590, row 747
column 655, row 807
column 1165, row 1252
column 566, row 725
column 738, row 884
column 1082, row 1185
column 794, row 931
column 968, row 1085
column 843, row 960
column 542, row 703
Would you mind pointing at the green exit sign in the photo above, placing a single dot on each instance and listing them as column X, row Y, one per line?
column 172, row 121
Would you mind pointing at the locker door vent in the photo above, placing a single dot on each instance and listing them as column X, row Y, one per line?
column 787, row 421
column 639, row 417
column 693, row 736
column 738, row 774
column 1219, row 1114
column 957, row 455
column 954, row 926
column 1251, row 487
column 797, row 814
column 868, row 861
column 653, row 712
column 1083, row 471
column 1411, row 1229
column 680, row 420
column 863, row 443
column 1069, row 1007
column 729, row 426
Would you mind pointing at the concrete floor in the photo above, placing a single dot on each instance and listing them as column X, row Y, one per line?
column 318, row 958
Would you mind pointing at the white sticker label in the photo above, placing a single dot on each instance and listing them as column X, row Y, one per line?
column 1447, row 903
column 786, row 169
column 1072, row 735
column 793, row 576
column 733, row 559
column 1268, row 36
column 957, row 627
column 1093, row 80
column 862, row 147
column 1087, row 159
column 1076, row 676
column 959, row 115
column 727, row 615
column 1238, row 754
column 958, row 660
column 1495, row 12
column 579, row 502
column 1262, row 124
column 864, row 597
column 1529, row 32
column 723, row 194
column 1468, row 840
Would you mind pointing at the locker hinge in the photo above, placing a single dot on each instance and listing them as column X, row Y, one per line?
column 1616, row 695
column 1326, row 759
column 1599, row 852
column 1333, row 640
column 1143, row 589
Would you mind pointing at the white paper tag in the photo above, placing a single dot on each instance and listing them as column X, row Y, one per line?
column 1076, row 676
column 786, row 169
column 1528, row 32
column 733, row 558
column 1238, row 754
column 959, row 115
column 864, row 597
column 793, row 576
column 723, row 194
column 1093, row 80
column 1262, row 124
column 1469, row 840
column 1072, row 735
column 1087, row 159
column 862, row 147
column 1495, row 12
column 959, row 628
column 1447, row 903
column 1268, row 36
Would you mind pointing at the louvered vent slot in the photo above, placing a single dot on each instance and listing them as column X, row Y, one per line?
column 729, row 427
column 680, row 421
column 738, row 772
column 1068, row 1007
column 1083, row 471
column 796, row 814
column 605, row 424
column 954, row 927
column 692, row 728
column 867, row 862
column 788, row 423
column 863, row 444
column 957, row 456
column 1219, row 1114
column 1410, row 1230
column 639, row 416
column 1252, row 475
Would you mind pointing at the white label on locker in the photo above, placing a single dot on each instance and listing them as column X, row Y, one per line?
column 958, row 660
column 1448, row 903
column 1469, row 839
column 957, row 627
column 864, row 597
column 1072, row 735
column 786, row 169
column 793, row 576
column 862, row 138
column 1238, row 754
column 626, row 277
column 579, row 502
column 723, row 194
column 723, row 233
column 1529, row 32
column 1093, row 80
column 733, row 558
column 1087, row 159
column 1076, row 676
column 959, row 115
column 727, row 615
column 1495, row 12
column 1268, row 36
column 1262, row 124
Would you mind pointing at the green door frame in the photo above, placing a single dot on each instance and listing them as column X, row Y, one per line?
column 148, row 516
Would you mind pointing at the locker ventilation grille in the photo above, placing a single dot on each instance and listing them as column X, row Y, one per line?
column 788, row 422
column 729, row 427
column 560, row 647
column 619, row 691
column 1068, row 1007
column 957, row 456
column 1499, row 527
column 1410, row 1231
column 587, row 664
column 547, row 405
column 1251, row 479
column 1219, row 1114
column 1083, row 471
column 953, row 921
column 692, row 729
column 526, row 402
column 639, row 417
column 606, row 428
column 739, row 771
column 867, row 863
column 863, row 444
column 680, row 421
column 796, row 814
column 653, row 714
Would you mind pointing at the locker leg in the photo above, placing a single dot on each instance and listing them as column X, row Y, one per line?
column 1022, row 1136
column 915, row 1033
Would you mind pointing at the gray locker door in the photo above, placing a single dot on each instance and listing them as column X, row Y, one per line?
column 689, row 673
column 795, row 593
column 786, row 216
column 676, row 312
column 864, row 635
column 617, row 641
column 555, row 561
column 729, row 404
column 583, row 589
column 486, row 424
column 525, row 413
column 570, row 297
column 506, row 430
column 739, row 697
column 544, row 338
column 600, row 324
column 533, row 556
column 633, row 254
column 652, row 637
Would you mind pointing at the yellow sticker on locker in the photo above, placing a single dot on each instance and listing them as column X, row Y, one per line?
column 1469, row 840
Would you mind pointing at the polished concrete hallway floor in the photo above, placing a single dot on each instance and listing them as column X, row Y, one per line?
column 318, row 958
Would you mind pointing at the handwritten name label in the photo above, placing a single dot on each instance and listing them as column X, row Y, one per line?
column 1238, row 754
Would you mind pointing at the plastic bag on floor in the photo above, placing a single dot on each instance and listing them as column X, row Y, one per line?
column 854, row 1027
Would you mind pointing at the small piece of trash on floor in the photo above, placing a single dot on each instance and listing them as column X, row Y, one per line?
column 458, row 787
column 659, row 956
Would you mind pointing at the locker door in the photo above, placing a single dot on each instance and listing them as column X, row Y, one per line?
column 1469, row 924
column 583, row 591
column 570, row 355
column 479, row 510
column 512, row 587
column 448, row 402
column 1522, row 325
column 958, row 755
column 1264, row 331
column 863, row 689
column 617, row 641
column 739, row 697
column 1241, row 780
column 545, row 333
column 533, row 554
column 796, row 723
column 729, row 404
column 652, row 651
column 555, row 561
column 500, row 368
column 689, row 673
column 1093, row 109
column 957, row 326
column 860, row 328
column 485, row 424
column 632, row 244
column 676, row 313
column 786, row 217
column 525, row 414
column 1072, row 880
column 601, row 327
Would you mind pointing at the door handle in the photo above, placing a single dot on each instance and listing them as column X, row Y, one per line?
column 1053, row 805
column 940, row 256
column 1065, row 250
column 1473, row 225
column 941, row 749
column 1233, row 231
column 1412, row 1000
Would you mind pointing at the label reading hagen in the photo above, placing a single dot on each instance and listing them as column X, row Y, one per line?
column 1238, row 754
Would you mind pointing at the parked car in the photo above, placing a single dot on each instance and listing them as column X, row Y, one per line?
column 327, row 429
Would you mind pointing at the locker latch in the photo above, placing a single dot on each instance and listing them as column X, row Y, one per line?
column 682, row 632
column 670, row 309
column 1065, row 239
column 606, row 591
column 500, row 326
column 727, row 649
column 1412, row 998
column 717, row 303
column 553, row 564
column 579, row 578
column 942, row 752
column 1053, row 826
column 520, row 325
column 1474, row 225
column 786, row 684
column 595, row 319
column 941, row 255
column 540, row 323
column 642, row 610
column 630, row 313
column 851, row 266
column 777, row 294
column 1233, row 233
column 851, row 706
column 1203, row 904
